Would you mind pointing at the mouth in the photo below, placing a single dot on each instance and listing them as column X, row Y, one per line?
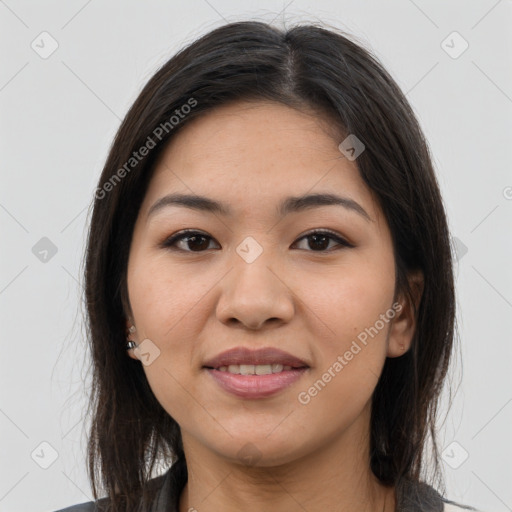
column 250, row 386
column 263, row 361
column 251, row 374
column 256, row 369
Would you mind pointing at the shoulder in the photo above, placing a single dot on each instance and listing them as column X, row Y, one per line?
column 413, row 496
column 89, row 506
column 451, row 506
column 160, row 484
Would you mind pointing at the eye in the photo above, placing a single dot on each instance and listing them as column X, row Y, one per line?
column 189, row 238
column 322, row 238
column 194, row 241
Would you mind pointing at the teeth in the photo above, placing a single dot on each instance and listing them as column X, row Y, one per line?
column 251, row 369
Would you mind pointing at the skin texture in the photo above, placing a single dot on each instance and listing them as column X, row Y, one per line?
column 195, row 303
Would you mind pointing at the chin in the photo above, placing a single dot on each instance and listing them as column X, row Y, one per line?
column 260, row 451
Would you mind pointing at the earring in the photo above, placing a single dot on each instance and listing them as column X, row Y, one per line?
column 131, row 344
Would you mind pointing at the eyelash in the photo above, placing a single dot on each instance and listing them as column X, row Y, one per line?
column 183, row 235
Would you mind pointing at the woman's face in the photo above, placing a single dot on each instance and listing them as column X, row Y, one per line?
column 252, row 278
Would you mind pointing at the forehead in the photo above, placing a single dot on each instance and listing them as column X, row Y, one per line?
column 256, row 150
column 240, row 130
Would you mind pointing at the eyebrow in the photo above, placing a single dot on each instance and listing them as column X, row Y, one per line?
column 288, row 205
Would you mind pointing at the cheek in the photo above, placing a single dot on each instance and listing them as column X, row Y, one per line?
column 351, row 356
column 163, row 296
column 349, row 300
column 351, row 306
column 168, row 311
column 171, row 385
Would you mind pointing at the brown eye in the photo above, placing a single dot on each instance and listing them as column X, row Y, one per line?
column 193, row 241
column 319, row 240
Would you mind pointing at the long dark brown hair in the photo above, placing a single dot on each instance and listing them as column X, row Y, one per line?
column 307, row 67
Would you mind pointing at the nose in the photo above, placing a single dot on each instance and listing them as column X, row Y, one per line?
column 256, row 293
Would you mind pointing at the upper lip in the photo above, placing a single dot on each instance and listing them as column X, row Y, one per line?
column 243, row 355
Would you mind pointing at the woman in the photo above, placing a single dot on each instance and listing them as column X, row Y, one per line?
column 269, row 285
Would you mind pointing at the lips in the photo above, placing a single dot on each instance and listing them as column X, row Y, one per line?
column 243, row 355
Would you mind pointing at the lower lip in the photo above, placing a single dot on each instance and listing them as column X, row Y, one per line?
column 256, row 386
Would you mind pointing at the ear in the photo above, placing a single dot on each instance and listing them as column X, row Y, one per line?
column 128, row 324
column 130, row 336
column 404, row 324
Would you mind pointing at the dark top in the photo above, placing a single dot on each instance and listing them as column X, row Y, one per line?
column 411, row 497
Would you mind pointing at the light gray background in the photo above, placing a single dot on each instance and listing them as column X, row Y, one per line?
column 58, row 117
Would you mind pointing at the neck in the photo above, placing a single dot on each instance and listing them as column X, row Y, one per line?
column 335, row 476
